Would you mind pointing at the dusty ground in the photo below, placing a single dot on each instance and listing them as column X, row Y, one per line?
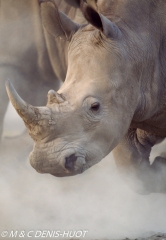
column 156, row 237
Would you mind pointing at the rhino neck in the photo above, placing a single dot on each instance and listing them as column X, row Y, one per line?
column 144, row 45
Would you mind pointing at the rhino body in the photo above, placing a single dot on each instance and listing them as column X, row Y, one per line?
column 29, row 56
column 113, row 97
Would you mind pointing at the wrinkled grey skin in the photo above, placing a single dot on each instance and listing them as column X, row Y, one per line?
column 29, row 56
column 113, row 96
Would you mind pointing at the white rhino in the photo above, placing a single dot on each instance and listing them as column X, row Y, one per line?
column 113, row 96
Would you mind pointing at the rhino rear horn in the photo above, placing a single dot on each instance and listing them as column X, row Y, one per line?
column 108, row 28
column 55, row 22
column 54, row 97
column 26, row 111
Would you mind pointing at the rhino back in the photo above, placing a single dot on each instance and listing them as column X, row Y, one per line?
column 143, row 24
column 22, row 44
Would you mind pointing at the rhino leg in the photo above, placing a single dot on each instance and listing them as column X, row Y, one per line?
column 132, row 159
column 4, row 100
column 159, row 161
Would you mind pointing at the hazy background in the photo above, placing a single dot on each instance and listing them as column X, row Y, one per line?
column 97, row 200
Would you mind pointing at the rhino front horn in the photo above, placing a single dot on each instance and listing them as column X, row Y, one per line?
column 26, row 111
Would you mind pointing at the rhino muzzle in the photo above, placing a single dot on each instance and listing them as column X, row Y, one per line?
column 70, row 162
column 74, row 163
column 48, row 155
column 66, row 166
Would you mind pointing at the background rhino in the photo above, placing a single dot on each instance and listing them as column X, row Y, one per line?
column 29, row 56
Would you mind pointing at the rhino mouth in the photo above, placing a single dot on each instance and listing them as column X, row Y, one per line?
column 67, row 165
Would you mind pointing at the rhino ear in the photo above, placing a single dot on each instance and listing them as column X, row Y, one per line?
column 108, row 28
column 55, row 22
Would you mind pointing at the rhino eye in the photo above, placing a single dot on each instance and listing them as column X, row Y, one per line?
column 95, row 106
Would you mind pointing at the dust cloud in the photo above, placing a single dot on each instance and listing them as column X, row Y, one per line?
column 97, row 200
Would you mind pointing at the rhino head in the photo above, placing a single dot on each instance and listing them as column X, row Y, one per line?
column 93, row 109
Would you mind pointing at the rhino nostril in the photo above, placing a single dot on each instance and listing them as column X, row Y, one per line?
column 70, row 162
